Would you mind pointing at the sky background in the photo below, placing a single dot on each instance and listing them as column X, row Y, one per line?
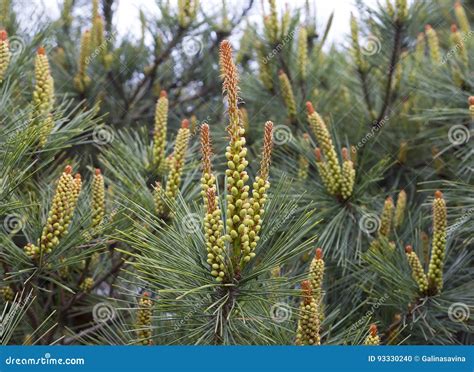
column 126, row 16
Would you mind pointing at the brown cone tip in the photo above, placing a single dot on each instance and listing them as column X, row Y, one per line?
column 185, row 123
column 438, row 194
column 373, row 330
column 454, row 28
column 163, row 94
column 306, row 136
column 41, row 51
column 68, row 169
column 97, row 172
column 309, row 108
column 3, row 35
column 457, row 4
column 408, row 249
column 281, row 72
column 225, row 44
column 471, row 101
column 389, row 200
column 319, row 253
column 428, row 27
column 146, row 294
column 269, row 125
column 78, row 176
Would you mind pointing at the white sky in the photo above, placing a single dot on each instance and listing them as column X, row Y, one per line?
column 126, row 16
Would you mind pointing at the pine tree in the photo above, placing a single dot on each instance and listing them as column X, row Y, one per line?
column 139, row 207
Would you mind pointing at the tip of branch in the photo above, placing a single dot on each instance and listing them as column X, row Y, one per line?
column 319, row 253
column 269, row 125
column 226, row 45
column 373, row 330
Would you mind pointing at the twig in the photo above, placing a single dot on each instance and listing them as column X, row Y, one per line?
column 393, row 63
